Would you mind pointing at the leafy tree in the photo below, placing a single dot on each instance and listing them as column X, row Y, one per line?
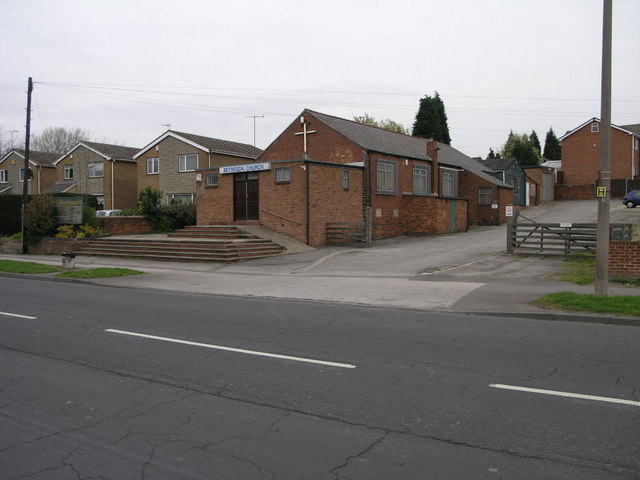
column 552, row 148
column 431, row 120
column 521, row 148
column 387, row 124
column 58, row 139
column 535, row 141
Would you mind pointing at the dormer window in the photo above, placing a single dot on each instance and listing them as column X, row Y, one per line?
column 595, row 127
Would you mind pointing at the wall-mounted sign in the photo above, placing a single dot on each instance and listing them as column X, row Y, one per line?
column 68, row 210
column 251, row 167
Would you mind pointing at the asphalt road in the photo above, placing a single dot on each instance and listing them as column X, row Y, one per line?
column 311, row 391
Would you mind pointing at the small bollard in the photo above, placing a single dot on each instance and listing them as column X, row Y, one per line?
column 69, row 261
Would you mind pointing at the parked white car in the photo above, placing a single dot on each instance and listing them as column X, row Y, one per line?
column 107, row 213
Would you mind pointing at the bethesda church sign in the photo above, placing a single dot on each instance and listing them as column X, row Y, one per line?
column 251, row 167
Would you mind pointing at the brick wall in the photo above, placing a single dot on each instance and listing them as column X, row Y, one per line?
column 624, row 259
column 126, row 191
column 574, row 192
column 48, row 246
column 470, row 185
column 581, row 156
column 432, row 215
column 124, row 225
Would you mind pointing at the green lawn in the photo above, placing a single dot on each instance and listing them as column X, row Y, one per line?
column 15, row 266
column 99, row 273
column 623, row 305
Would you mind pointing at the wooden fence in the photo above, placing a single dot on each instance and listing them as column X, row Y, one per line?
column 560, row 238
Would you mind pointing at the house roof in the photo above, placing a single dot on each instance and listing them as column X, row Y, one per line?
column 209, row 144
column 555, row 164
column 5, row 186
column 105, row 150
column 61, row 187
column 384, row 141
column 630, row 129
column 40, row 159
column 497, row 164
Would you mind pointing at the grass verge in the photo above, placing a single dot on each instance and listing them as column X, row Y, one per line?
column 99, row 273
column 15, row 266
column 623, row 305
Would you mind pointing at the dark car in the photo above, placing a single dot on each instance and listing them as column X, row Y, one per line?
column 632, row 199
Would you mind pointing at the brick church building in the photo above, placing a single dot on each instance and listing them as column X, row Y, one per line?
column 323, row 169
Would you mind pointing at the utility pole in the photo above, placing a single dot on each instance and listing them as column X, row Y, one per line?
column 604, row 177
column 25, row 177
column 254, row 126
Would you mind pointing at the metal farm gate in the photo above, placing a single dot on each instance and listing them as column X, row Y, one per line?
column 559, row 238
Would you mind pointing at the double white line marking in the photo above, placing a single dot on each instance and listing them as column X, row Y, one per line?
column 231, row 349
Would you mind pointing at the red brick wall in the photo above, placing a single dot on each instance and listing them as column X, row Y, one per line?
column 581, row 156
column 215, row 204
column 484, row 214
column 49, row 246
column 574, row 192
column 624, row 259
column 432, row 215
column 124, row 225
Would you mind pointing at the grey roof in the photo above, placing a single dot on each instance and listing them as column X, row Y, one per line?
column 497, row 164
column 5, row 186
column 60, row 187
column 116, row 152
column 374, row 138
column 632, row 128
column 450, row 156
column 384, row 141
column 42, row 159
column 216, row 145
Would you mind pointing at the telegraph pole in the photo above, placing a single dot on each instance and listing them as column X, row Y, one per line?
column 604, row 177
column 25, row 177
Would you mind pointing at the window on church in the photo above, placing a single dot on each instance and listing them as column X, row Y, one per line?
column 211, row 180
column 485, row 196
column 449, row 183
column 421, row 180
column 283, row 174
column 386, row 171
column 346, row 180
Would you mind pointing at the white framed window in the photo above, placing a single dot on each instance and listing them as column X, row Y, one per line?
column 96, row 169
column 68, row 172
column 449, row 183
column 421, row 182
column 211, row 180
column 22, row 174
column 346, row 179
column 181, row 198
column 637, row 144
column 595, row 127
column 153, row 166
column 485, row 196
column 283, row 174
column 188, row 163
column 386, row 170
column 4, row 176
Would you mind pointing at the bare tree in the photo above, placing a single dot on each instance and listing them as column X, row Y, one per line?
column 58, row 139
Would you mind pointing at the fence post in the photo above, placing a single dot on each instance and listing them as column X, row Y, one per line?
column 368, row 227
column 511, row 229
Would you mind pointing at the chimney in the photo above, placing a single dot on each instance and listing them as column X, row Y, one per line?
column 432, row 153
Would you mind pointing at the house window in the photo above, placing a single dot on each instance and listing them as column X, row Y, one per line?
column 181, row 198
column 68, row 172
column 346, row 180
column 386, row 170
column 485, row 196
column 153, row 166
column 449, row 183
column 96, row 169
column 421, row 179
column 22, row 174
column 283, row 174
column 188, row 163
column 595, row 127
column 211, row 180
column 4, row 176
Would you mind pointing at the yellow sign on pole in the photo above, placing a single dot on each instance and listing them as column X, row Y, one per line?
column 601, row 192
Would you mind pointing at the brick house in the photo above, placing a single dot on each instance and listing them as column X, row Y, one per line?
column 42, row 172
column 169, row 163
column 324, row 169
column 581, row 153
column 104, row 170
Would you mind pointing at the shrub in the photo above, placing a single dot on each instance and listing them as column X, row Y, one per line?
column 73, row 231
column 179, row 214
column 39, row 218
column 10, row 214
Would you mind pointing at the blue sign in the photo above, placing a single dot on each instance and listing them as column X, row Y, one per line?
column 251, row 167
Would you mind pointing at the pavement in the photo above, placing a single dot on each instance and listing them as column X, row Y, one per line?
column 466, row 273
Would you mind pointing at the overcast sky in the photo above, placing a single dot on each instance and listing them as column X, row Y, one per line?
column 124, row 69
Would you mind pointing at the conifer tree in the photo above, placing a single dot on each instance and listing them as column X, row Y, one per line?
column 552, row 148
column 535, row 141
column 431, row 120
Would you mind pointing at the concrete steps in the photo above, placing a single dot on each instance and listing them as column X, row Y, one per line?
column 194, row 244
